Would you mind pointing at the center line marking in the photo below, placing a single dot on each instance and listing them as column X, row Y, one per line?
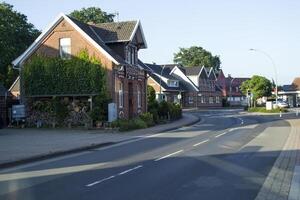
column 200, row 143
column 129, row 170
column 100, row 181
column 166, row 156
column 221, row 134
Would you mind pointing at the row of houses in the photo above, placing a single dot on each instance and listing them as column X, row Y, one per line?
column 117, row 46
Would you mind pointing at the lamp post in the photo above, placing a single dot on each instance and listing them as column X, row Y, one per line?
column 274, row 67
column 160, row 97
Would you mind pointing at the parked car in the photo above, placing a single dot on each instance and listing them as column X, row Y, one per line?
column 281, row 104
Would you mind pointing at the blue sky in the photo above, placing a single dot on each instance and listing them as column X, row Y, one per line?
column 226, row 28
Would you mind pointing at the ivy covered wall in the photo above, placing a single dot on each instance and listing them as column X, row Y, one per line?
column 80, row 75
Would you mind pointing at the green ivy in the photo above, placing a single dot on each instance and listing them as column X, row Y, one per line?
column 79, row 75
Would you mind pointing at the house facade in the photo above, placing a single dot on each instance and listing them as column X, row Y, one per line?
column 291, row 93
column 115, row 44
column 192, row 87
column 235, row 96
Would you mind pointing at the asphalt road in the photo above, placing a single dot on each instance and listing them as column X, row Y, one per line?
column 225, row 156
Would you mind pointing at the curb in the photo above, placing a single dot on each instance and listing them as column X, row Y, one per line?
column 84, row 148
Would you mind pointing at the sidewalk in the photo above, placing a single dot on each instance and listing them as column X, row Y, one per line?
column 283, row 181
column 24, row 145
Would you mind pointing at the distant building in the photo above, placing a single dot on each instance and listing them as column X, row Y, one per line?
column 291, row 93
column 234, row 95
column 190, row 86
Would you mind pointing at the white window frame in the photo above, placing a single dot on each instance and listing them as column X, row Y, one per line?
column 65, row 48
column 191, row 100
column 210, row 100
column 121, row 95
column 217, row 99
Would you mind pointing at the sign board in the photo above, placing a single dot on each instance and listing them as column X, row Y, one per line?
column 112, row 112
column 269, row 105
column 18, row 112
column 179, row 96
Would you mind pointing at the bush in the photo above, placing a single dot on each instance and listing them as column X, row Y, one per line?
column 127, row 125
column 175, row 111
column 147, row 118
column 263, row 110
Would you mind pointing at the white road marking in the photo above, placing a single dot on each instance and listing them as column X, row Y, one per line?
column 100, row 181
column 200, row 143
column 221, row 134
column 166, row 156
column 129, row 170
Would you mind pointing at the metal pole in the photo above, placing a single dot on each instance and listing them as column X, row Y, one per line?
column 275, row 70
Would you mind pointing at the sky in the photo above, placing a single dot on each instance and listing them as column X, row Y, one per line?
column 225, row 28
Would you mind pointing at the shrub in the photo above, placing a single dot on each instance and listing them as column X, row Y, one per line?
column 147, row 118
column 263, row 110
column 126, row 125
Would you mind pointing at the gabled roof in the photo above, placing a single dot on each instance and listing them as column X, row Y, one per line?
column 119, row 32
column 211, row 74
column 92, row 34
column 287, row 88
column 15, row 86
column 193, row 71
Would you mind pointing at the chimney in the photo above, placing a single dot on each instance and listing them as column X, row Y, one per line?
column 229, row 75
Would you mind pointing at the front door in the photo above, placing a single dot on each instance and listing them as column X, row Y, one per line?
column 130, row 99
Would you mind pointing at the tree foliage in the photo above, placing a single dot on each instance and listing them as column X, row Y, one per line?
column 196, row 56
column 16, row 35
column 55, row 76
column 259, row 86
column 92, row 14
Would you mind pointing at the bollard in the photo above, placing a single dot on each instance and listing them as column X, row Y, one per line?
column 280, row 115
column 297, row 112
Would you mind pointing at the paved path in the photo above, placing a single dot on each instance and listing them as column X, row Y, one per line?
column 283, row 180
column 30, row 144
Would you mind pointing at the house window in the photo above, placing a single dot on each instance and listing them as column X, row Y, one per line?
column 172, row 83
column 202, row 100
column 131, row 54
column 139, row 100
column 121, row 95
column 217, row 99
column 65, row 48
column 191, row 100
column 211, row 100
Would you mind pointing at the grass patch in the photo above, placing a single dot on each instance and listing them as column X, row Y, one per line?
column 263, row 110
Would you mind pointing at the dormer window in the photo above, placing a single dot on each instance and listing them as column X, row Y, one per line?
column 131, row 54
column 173, row 83
column 65, row 48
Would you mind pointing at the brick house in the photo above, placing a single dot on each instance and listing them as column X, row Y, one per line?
column 196, row 85
column 169, row 81
column 115, row 44
column 209, row 94
column 235, row 97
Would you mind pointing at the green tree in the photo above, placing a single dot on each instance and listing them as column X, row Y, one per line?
column 150, row 94
column 259, row 86
column 197, row 56
column 16, row 35
column 92, row 14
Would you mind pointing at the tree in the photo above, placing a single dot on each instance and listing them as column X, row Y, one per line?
column 16, row 35
column 92, row 14
column 259, row 86
column 197, row 56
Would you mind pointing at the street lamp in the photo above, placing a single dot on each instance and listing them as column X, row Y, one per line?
column 274, row 67
column 160, row 97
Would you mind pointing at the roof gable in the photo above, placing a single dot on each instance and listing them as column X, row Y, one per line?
column 89, row 33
